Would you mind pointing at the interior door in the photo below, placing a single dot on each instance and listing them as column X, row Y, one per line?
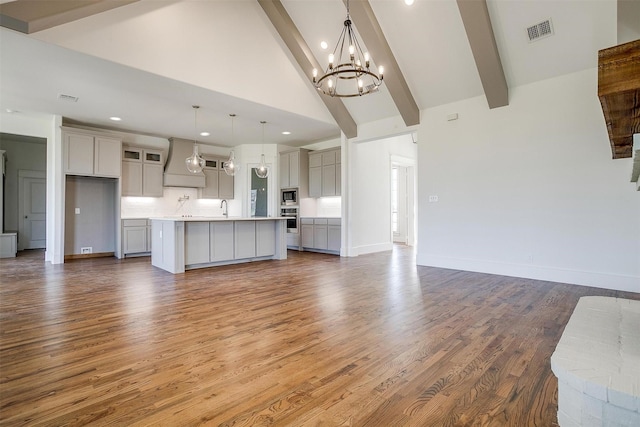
column 32, row 234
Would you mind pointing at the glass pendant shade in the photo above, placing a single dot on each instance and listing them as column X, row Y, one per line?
column 230, row 167
column 262, row 171
column 195, row 163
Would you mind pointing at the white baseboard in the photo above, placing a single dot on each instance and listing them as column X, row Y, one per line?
column 369, row 249
column 552, row 274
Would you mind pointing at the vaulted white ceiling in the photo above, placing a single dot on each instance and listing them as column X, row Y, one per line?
column 149, row 61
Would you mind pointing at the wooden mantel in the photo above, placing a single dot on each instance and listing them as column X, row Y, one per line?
column 619, row 93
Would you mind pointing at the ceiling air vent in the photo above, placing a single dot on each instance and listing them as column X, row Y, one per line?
column 540, row 30
column 69, row 98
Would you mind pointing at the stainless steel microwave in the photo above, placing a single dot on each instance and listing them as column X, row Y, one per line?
column 289, row 196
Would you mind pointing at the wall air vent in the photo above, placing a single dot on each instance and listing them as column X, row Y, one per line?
column 69, row 98
column 540, row 31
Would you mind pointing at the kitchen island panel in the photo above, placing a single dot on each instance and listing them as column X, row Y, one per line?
column 221, row 246
column 209, row 242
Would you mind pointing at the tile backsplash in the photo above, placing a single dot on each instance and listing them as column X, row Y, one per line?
column 175, row 202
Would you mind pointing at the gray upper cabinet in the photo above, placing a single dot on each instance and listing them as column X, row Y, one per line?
column 293, row 168
column 219, row 185
column 86, row 154
column 142, row 171
column 325, row 173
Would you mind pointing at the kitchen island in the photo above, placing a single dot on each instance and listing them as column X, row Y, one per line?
column 184, row 243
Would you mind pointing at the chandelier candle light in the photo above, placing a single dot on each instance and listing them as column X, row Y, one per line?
column 262, row 171
column 230, row 167
column 195, row 162
column 352, row 75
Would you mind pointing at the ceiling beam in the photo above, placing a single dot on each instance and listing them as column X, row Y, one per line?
column 369, row 29
column 477, row 24
column 30, row 16
column 300, row 50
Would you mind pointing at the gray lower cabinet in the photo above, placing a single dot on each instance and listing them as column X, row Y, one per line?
column 321, row 234
column 306, row 232
column 136, row 236
column 222, row 241
column 334, row 235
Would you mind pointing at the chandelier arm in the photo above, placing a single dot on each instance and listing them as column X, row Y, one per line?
column 340, row 43
column 358, row 52
column 340, row 39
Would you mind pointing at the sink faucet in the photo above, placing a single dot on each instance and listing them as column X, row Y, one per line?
column 225, row 209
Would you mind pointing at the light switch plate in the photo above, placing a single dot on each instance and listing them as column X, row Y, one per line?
column 77, row 211
column 433, row 199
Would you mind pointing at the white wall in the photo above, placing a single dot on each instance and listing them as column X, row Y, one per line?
column 530, row 189
column 370, row 191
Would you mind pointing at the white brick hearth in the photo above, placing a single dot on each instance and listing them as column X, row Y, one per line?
column 597, row 362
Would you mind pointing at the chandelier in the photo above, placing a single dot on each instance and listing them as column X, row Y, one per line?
column 195, row 162
column 351, row 75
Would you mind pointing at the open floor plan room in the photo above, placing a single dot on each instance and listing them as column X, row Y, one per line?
column 311, row 340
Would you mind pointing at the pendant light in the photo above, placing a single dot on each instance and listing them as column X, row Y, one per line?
column 230, row 166
column 195, row 162
column 262, row 171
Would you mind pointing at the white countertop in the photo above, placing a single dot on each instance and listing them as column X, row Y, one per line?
column 214, row 218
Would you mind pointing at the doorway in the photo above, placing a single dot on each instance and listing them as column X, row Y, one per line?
column 402, row 204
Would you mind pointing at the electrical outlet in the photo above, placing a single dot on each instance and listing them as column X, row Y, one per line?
column 87, row 250
column 77, row 211
column 433, row 199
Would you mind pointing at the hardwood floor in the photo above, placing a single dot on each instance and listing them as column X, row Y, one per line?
column 316, row 340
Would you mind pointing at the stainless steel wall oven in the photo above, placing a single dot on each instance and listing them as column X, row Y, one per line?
column 291, row 214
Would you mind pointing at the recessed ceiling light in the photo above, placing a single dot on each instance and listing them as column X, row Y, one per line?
column 408, row 2
column 10, row 111
column 323, row 44
column 115, row 119
column 286, row 132
column 204, row 134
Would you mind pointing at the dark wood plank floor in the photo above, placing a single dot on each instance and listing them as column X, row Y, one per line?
column 316, row 340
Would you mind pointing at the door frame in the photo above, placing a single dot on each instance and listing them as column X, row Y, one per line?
column 22, row 174
column 410, row 165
